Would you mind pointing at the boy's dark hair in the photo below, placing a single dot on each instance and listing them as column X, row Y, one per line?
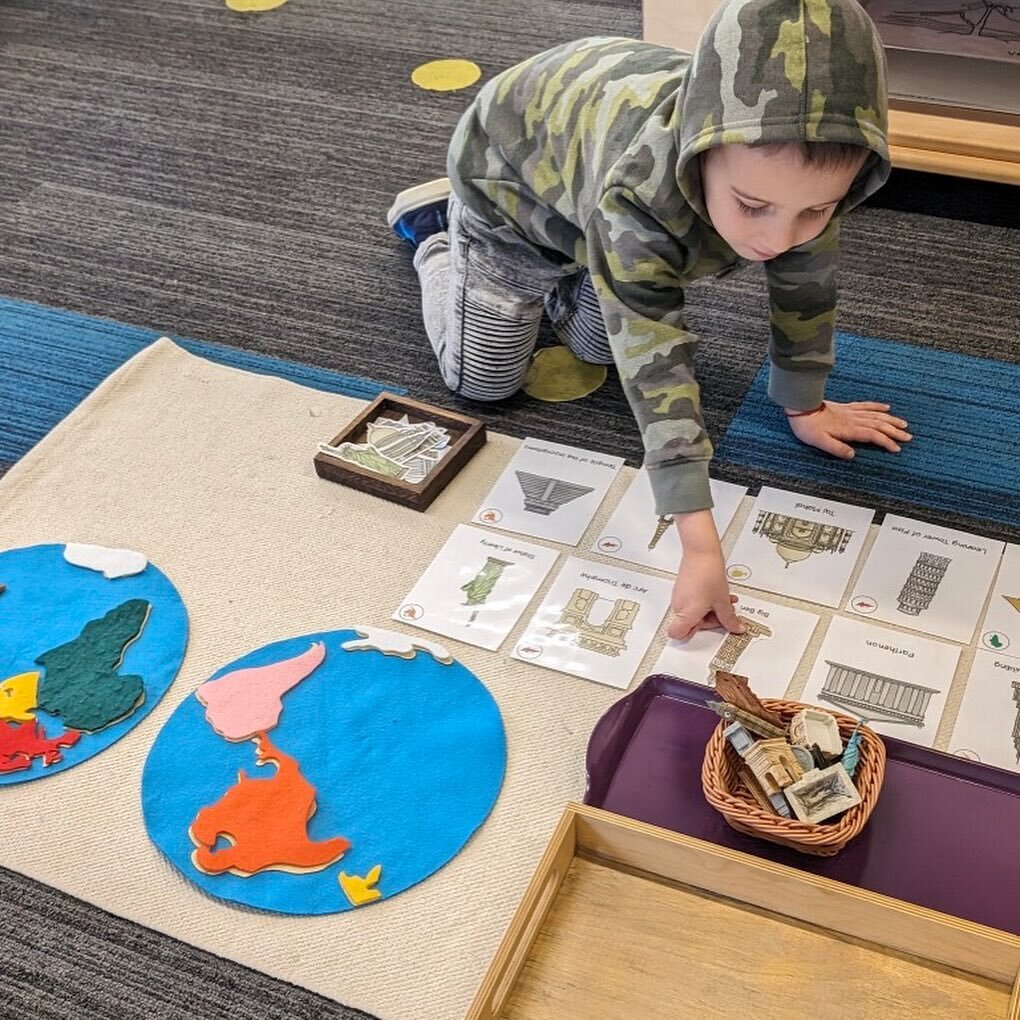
column 824, row 155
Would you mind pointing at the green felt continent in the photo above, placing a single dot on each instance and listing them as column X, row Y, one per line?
column 81, row 683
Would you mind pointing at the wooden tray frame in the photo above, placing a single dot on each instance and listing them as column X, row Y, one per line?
column 467, row 434
column 663, row 855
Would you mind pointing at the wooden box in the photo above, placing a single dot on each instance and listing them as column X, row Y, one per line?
column 467, row 436
column 624, row 919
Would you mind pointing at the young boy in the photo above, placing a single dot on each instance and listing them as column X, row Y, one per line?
column 596, row 180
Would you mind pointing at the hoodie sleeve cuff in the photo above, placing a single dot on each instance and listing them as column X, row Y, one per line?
column 797, row 391
column 680, row 488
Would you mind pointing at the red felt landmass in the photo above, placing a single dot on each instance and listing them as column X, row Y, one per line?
column 20, row 743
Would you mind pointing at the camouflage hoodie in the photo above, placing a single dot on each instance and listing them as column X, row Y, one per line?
column 588, row 152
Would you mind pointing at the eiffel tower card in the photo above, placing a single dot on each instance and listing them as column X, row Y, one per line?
column 927, row 578
column 1000, row 631
column 767, row 653
column 549, row 490
column 477, row 586
column 636, row 533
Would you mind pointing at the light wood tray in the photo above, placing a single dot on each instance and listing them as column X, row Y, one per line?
column 624, row 919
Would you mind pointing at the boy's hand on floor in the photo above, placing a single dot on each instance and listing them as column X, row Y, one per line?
column 701, row 597
column 835, row 426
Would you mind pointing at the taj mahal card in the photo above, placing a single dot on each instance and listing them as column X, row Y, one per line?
column 799, row 546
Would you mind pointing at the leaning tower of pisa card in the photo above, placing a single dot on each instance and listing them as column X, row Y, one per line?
column 927, row 578
column 897, row 681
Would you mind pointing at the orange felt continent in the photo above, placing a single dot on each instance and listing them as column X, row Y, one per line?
column 266, row 822
column 21, row 742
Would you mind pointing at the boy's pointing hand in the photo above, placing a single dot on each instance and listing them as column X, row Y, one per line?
column 832, row 427
column 701, row 597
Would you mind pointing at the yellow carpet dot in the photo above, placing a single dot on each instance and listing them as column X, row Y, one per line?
column 556, row 376
column 446, row 75
column 254, row 5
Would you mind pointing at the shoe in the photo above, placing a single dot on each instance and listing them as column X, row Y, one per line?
column 420, row 212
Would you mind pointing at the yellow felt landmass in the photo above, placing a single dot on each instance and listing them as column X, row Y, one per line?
column 446, row 75
column 254, row 5
column 361, row 890
column 557, row 376
column 1014, row 602
column 18, row 697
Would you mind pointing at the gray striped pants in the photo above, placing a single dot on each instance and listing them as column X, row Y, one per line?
column 483, row 293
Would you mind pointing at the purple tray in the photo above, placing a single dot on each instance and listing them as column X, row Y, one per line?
column 945, row 833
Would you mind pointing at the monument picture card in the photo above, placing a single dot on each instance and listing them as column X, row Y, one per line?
column 636, row 533
column 799, row 546
column 987, row 727
column 767, row 653
column 596, row 622
column 477, row 587
column 1000, row 630
column 926, row 578
column 897, row 681
column 549, row 490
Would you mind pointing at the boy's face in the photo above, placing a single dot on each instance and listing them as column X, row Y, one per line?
column 763, row 202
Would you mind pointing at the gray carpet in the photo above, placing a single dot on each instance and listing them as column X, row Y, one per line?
column 177, row 165
column 172, row 164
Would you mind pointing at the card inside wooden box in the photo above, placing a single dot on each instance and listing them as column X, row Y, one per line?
column 624, row 919
column 467, row 436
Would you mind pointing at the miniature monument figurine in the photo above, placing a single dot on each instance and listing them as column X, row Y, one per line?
column 731, row 713
column 735, row 690
column 822, row 793
column 773, row 764
column 813, row 727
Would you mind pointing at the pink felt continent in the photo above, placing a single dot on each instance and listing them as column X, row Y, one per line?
column 248, row 701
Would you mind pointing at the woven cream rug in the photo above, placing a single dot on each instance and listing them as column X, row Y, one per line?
column 209, row 471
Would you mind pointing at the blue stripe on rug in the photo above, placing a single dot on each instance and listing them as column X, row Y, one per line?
column 963, row 412
column 53, row 359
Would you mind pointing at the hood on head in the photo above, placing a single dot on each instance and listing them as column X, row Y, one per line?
column 786, row 71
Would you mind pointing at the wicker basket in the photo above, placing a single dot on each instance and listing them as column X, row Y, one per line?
column 728, row 795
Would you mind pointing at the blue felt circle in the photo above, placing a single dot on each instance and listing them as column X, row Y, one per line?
column 406, row 756
column 47, row 603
